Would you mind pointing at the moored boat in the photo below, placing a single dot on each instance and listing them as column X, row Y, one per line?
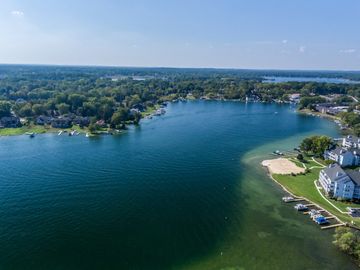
column 288, row 199
column 300, row 207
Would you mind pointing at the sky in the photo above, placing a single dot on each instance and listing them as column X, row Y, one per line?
column 254, row 34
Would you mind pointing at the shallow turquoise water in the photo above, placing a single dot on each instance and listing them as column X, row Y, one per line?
column 184, row 190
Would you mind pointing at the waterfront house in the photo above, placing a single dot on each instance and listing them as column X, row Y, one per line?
column 295, row 98
column 323, row 107
column 344, row 157
column 336, row 182
column 101, row 123
column 43, row 120
column 63, row 122
column 10, row 122
column 351, row 142
column 355, row 177
column 81, row 121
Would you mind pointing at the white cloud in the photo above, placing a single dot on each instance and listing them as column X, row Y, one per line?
column 302, row 49
column 284, row 41
column 347, row 51
column 17, row 13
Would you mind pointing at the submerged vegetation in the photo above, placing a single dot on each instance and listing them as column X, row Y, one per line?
column 348, row 241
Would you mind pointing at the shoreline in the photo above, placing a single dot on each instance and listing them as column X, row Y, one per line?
column 40, row 129
column 325, row 207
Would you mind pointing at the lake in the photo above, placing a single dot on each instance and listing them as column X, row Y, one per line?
column 181, row 191
column 279, row 79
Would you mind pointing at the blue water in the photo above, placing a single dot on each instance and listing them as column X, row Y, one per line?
column 308, row 79
column 181, row 191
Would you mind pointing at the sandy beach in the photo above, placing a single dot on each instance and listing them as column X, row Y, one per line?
column 282, row 166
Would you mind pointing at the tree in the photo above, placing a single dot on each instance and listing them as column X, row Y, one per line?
column 316, row 144
column 119, row 116
column 76, row 101
column 93, row 128
column 38, row 109
column 5, row 108
column 306, row 145
column 63, row 108
column 26, row 110
column 346, row 240
column 300, row 157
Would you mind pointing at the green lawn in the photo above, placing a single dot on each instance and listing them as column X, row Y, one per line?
column 303, row 186
column 150, row 110
column 21, row 130
column 36, row 129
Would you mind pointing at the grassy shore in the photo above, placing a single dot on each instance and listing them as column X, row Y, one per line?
column 37, row 129
column 302, row 185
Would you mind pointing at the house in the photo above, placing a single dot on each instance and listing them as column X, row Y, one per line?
column 43, row 120
column 10, row 122
column 336, row 182
column 133, row 112
column 355, row 177
column 295, row 98
column 81, row 121
column 351, row 142
column 337, row 110
column 101, row 123
column 61, row 123
column 323, row 107
column 344, row 157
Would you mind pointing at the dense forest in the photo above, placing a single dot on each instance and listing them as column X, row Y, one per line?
column 110, row 93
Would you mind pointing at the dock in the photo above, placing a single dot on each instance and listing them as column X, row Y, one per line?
column 327, row 215
column 332, row 226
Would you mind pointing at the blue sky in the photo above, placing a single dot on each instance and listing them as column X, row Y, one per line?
column 279, row 34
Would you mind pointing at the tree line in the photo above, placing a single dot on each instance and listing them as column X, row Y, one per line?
column 111, row 93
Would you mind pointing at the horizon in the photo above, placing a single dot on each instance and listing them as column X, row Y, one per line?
column 174, row 67
column 181, row 34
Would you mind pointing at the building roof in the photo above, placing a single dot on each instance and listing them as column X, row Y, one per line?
column 352, row 139
column 354, row 175
column 333, row 171
column 338, row 150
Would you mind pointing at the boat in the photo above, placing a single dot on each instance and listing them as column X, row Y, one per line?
column 321, row 220
column 313, row 213
column 287, row 199
column 74, row 133
column 277, row 152
column 314, row 217
column 300, row 207
column 31, row 134
column 60, row 132
column 87, row 134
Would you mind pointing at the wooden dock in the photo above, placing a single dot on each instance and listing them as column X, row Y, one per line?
column 332, row 226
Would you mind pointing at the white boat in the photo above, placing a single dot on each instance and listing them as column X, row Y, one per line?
column 87, row 134
column 74, row 133
column 60, row 132
column 287, row 199
column 313, row 213
column 31, row 134
column 300, row 207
